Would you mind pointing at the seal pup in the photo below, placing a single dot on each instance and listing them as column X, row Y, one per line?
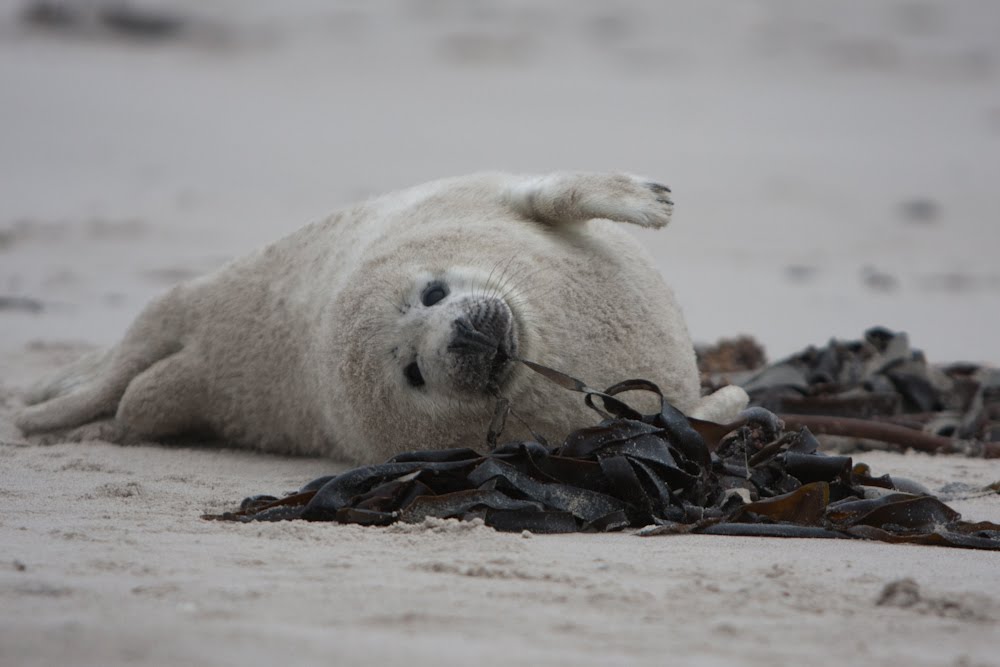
column 392, row 326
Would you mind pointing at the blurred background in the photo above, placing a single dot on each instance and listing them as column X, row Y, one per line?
column 834, row 165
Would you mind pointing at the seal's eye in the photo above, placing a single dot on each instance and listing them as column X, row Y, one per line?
column 434, row 293
column 413, row 375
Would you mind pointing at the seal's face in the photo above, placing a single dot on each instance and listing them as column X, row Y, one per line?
column 459, row 336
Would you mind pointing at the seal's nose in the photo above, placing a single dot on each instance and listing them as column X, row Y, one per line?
column 470, row 339
column 483, row 343
column 482, row 330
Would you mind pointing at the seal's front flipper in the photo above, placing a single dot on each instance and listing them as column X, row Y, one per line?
column 723, row 406
column 568, row 197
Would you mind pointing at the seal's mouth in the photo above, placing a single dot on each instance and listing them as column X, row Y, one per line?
column 503, row 361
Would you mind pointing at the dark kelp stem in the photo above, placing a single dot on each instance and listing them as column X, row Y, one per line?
column 897, row 435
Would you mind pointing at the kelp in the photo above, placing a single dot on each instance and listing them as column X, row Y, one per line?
column 662, row 472
column 876, row 388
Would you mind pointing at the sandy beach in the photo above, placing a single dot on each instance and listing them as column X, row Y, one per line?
column 833, row 167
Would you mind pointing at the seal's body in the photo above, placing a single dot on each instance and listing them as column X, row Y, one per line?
column 391, row 326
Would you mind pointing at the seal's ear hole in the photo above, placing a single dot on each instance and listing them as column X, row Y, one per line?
column 434, row 293
column 413, row 375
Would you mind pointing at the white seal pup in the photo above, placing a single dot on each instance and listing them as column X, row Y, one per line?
column 391, row 326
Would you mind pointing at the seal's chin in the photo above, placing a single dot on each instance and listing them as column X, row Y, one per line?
column 483, row 345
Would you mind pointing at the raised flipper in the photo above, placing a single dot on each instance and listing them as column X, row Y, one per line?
column 567, row 197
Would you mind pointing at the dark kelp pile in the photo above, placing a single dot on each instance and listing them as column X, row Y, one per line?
column 662, row 471
column 878, row 379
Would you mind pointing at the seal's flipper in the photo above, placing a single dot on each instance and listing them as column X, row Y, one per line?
column 107, row 430
column 568, row 197
column 92, row 388
column 93, row 400
column 159, row 402
column 69, row 378
column 723, row 406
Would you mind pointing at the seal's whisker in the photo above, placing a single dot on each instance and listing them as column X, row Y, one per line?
column 520, row 286
column 483, row 291
column 489, row 288
column 499, row 286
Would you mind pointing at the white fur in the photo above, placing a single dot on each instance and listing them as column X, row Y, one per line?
column 573, row 197
column 723, row 406
column 300, row 347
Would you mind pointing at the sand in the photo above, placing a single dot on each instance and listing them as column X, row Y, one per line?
column 833, row 167
column 105, row 561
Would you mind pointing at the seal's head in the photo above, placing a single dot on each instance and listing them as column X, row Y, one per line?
column 458, row 336
column 430, row 348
